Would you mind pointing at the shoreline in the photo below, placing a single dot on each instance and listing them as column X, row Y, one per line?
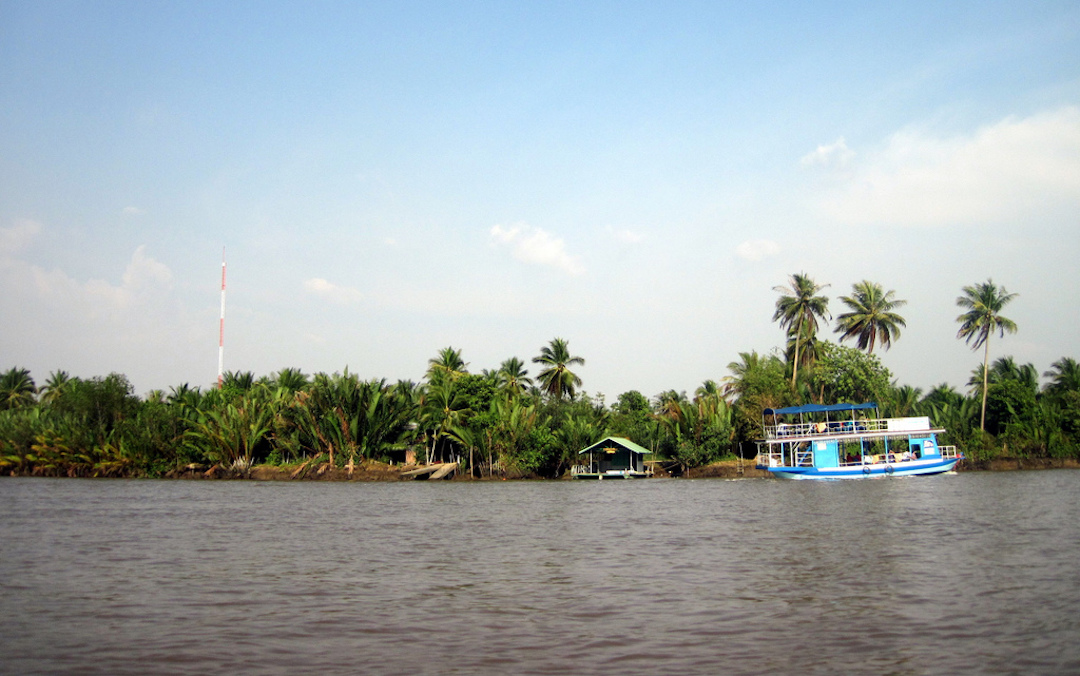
column 371, row 471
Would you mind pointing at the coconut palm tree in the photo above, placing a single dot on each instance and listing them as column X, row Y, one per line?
column 903, row 401
column 1005, row 368
column 808, row 346
column 1064, row 375
column 557, row 379
column 513, row 376
column 444, row 408
column 798, row 310
column 941, row 394
column 448, row 364
column 58, row 383
column 983, row 303
column 17, row 389
column 667, row 403
column 709, row 388
column 184, row 395
column 871, row 318
column 743, row 371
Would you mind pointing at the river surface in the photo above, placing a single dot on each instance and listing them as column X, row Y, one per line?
column 963, row 573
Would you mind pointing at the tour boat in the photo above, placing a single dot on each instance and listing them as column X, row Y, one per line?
column 849, row 441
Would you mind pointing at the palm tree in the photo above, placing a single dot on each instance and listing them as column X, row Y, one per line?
column 983, row 303
column 448, row 364
column 557, row 379
column 942, row 394
column 17, row 389
column 871, row 317
column 59, row 382
column 736, row 384
column 239, row 380
column 668, row 402
column 184, row 395
column 798, row 310
column 809, row 347
column 903, row 401
column 709, row 388
column 444, row 408
column 1064, row 375
column 513, row 377
column 1005, row 368
column 292, row 379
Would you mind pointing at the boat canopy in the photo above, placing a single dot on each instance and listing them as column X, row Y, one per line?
column 819, row 408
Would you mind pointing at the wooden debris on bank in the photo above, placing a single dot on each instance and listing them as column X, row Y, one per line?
column 436, row 471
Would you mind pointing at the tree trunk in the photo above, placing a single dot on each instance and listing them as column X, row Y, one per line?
column 986, row 376
column 795, row 360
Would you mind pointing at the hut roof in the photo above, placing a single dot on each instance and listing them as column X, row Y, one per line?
column 616, row 441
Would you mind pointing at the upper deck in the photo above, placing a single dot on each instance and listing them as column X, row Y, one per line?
column 871, row 427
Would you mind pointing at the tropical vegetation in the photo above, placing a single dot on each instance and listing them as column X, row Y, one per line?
column 506, row 422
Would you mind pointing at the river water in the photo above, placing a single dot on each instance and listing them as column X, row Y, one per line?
column 965, row 573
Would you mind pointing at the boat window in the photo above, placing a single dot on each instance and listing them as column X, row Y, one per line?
column 916, row 449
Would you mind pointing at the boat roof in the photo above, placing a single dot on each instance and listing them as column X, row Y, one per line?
column 819, row 408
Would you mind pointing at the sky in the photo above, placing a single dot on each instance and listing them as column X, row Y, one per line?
column 387, row 179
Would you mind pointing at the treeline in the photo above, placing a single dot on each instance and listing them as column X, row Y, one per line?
column 495, row 423
column 503, row 422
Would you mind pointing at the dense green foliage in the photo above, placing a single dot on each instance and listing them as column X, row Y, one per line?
column 506, row 423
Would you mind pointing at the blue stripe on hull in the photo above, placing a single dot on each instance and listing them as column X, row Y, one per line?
column 864, row 471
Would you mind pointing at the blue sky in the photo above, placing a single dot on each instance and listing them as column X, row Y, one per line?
column 389, row 179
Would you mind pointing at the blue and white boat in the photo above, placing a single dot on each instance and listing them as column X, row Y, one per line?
column 849, row 441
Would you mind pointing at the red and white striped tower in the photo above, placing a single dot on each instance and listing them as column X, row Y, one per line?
column 221, row 329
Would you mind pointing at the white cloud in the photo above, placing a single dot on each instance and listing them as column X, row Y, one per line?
column 143, row 272
column 835, row 154
column 133, row 211
column 1015, row 170
column 142, row 280
column 18, row 236
column 625, row 236
column 757, row 249
column 340, row 295
column 536, row 246
column 93, row 326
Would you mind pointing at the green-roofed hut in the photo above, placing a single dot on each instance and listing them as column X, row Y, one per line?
column 613, row 458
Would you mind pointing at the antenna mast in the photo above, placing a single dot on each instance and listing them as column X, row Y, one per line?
column 221, row 329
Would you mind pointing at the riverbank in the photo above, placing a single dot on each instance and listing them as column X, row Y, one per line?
column 377, row 471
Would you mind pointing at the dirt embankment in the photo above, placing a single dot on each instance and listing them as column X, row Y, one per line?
column 1007, row 464
column 728, row 469
column 366, row 471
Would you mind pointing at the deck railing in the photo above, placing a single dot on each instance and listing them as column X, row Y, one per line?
column 834, row 427
column 949, row 452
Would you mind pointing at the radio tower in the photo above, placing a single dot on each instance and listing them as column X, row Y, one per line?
column 221, row 328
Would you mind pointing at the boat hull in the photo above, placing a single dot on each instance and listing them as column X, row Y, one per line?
column 868, row 471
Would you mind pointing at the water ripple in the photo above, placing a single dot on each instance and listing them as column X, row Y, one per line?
column 965, row 573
